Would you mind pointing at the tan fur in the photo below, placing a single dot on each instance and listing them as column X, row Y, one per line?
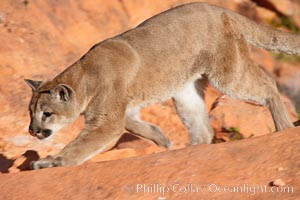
column 173, row 54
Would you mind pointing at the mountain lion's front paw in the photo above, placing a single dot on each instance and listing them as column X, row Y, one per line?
column 47, row 162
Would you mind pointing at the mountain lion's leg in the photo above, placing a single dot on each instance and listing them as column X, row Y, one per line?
column 258, row 87
column 191, row 108
column 135, row 125
column 91, row 141
column 236, row 74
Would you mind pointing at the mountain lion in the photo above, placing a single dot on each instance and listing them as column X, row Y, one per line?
column 171, row 55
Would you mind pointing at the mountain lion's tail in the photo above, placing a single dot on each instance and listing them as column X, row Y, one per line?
column 267, row 37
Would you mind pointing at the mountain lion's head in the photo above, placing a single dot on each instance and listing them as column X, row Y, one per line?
column 51, row 108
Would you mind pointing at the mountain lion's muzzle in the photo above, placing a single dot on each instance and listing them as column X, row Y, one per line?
column 39, row 133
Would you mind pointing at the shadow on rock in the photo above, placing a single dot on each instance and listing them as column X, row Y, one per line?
column 297, row 123
column 126, row 138
column 22, row 163
column 30, row 156
column 5, row 163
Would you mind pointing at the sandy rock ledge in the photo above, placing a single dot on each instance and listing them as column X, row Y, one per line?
column 198, row 172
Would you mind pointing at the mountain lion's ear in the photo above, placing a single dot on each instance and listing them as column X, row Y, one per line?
column 62, row 92
column 33, row 84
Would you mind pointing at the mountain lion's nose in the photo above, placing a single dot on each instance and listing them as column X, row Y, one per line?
column 33, row 131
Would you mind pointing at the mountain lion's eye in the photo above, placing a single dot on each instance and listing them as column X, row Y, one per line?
column 47, row 114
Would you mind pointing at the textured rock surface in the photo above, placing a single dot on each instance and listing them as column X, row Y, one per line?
column 289, row 80
column 270, row 162
column 232, row 113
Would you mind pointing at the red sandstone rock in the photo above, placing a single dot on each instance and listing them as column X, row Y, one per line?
column 248, row 118
column 198, row 172
column 288, row 79
column 289, row 7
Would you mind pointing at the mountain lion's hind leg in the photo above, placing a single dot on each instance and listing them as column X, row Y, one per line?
column 260, row 88
column 238, row 76
column 135, row 125
column 190, row 105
